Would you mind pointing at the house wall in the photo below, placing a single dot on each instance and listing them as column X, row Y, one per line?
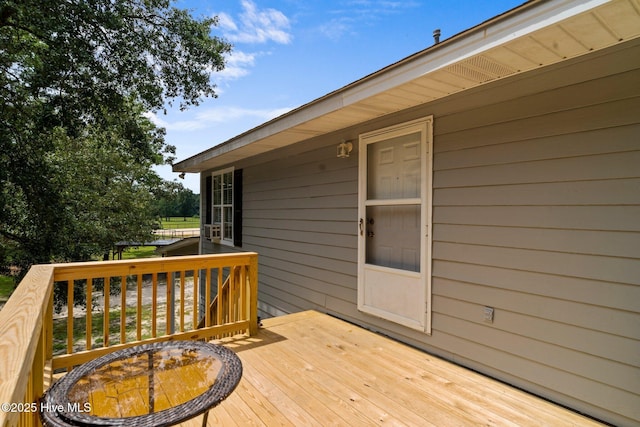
column 536, row 214
column 300, row 215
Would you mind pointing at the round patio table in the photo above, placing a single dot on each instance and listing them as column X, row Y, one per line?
column 157, row 384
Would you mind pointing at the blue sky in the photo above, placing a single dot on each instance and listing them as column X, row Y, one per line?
column 289, row 52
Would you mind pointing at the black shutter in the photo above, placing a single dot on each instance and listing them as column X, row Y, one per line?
column 207, row 200
column 237, row 207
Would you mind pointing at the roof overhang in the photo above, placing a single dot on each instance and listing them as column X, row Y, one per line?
column 534, row 35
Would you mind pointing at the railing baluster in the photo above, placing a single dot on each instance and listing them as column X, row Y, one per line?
column 220, row 307
column 106, row 290
column 182, row 283
column 196, row 274
column 139, row 309
column 26, row 418
column 170, row 306
column 70, row 303
column 48, row 327
column 207, row 293
column 154, row 304
column 123, row 309
column 232, row 294
column 89, row 314
column 37, row 371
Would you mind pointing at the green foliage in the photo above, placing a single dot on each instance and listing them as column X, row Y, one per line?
column 107, row 191
column 174, row 222
column 7, row 285
column 76, row 149
column 172, row 199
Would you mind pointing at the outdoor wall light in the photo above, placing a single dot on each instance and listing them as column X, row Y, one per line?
column 344, row 148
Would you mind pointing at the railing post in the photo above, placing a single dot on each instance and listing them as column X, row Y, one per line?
column 253, row 295
column 24, row 341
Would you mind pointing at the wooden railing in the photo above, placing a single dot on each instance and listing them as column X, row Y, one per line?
column 177, row 233
column 224, row 305
column 127, row 303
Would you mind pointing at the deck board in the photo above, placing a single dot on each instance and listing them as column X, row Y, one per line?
column 314, row 370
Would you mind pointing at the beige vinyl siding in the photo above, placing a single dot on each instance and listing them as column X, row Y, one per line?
column 298, row 214
column 536, row 213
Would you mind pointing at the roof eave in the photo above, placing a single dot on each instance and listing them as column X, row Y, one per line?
column 468, row 59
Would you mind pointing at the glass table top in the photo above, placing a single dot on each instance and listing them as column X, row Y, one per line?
column 154, row 384
column 149, row 382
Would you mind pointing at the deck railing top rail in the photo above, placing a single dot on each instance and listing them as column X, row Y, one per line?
column 76, row 270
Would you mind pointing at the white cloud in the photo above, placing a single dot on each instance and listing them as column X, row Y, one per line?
column 237, row 65
column 356, row 13
column 336, row 28
column 182, row 125
column 226, row 22
column 251, row 26
column 256, row 25
column 227, row 114
column 212, row 116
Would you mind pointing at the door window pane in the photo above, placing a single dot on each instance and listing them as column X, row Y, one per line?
column 394, row 168
column 393, row 236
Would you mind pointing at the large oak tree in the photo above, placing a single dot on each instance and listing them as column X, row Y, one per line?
column 76, row 151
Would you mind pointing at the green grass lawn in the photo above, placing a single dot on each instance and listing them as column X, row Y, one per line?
column 139, row 252
column 6, row 287
column 180, row 222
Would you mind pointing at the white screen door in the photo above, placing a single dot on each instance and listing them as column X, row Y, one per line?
column 394, row 242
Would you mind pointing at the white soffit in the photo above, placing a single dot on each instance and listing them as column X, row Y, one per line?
column 531, row 36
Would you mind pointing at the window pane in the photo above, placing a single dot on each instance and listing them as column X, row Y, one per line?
column 228, row 223
column 394, row 168
column 217, row 190
column 228, row 188
column 222, row 205
column 217, row 215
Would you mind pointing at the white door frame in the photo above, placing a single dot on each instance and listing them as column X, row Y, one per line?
column 423, row 322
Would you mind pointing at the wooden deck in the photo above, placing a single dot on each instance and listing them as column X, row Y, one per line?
column 314, row 370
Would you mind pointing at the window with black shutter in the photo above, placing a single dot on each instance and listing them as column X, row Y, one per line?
column 225, row 204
